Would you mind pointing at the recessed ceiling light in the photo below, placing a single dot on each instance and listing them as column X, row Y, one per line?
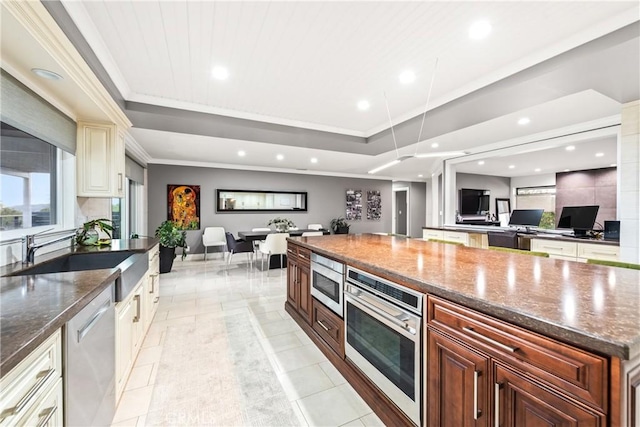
column 241, row 153
column 570, row 147
column 479, row 30
column 481, row 162
column 280, row 157
column 512, row 166
column 220, row 73
column 537, row 170
column 420, row 176
column 566, row 170
column 314, row 160
column 599, row 154
column 613, row 165
column 46, row 74
column 363, row 105
column 524, row 121
column 435, row 145
column 407, row 77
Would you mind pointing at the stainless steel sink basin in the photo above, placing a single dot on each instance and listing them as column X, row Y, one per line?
column 132, row 265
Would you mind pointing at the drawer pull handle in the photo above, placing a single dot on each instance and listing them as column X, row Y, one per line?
column 323, row 325
column 47, row 417
column 476, row 413
column 604, row 253
column 496, row 399
column 506, row 347
column 44, row 377
column 553, row 247
column 302, row 256
column 94, row 319
column 156, row 299
column 136, row 318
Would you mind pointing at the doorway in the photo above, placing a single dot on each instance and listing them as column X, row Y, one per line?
column 400, row 211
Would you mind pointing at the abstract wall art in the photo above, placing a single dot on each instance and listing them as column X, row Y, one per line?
column 354, row 205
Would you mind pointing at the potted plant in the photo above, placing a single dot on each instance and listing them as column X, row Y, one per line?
column 89, row 233
column 170, row 238
column 282, row 224
column 339, row 225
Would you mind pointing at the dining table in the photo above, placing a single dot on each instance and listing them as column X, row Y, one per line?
column 274, row 261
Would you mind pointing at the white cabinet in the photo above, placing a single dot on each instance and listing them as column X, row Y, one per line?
column 598, row 251
column 456, row 237
column 576, row 251
column 31, row 393
column 129, row 334
column 152, row 286
column 430, row 233
column 100, row 160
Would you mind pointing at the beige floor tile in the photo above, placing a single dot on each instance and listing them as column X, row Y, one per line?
column 269, row 316
column 277, row 343
column 354, row 423
column 132, row 422
column 304, row 382
column 332, row 407
column 334, row 375
column 299, row 357
column 152, row 340
column 149, row 355
column 133, row 403
column 139, row 377
column 372, row 420
column 278, row 327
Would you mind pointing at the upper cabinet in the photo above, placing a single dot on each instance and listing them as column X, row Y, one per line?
column 100, row 158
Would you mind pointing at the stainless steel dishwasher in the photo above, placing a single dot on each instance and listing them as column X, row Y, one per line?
column 89, row 363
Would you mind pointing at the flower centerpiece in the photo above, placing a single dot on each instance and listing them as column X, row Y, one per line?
column 282, row 224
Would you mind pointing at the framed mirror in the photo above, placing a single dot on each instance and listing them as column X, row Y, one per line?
column 262, row 201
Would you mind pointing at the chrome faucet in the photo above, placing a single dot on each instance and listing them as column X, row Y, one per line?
column 29, row 245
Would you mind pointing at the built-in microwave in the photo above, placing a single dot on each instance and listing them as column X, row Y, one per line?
column 327, row 282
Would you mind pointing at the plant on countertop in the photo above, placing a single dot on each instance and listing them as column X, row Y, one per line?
column 172, row 237
column 339, row 225
column 282, row 224
column 88, row 234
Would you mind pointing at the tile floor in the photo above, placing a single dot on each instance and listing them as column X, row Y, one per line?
column 222, row 351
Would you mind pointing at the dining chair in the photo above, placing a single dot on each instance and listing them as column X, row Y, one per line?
column 214, row 236
column 312, row 233
column 256, row 243
column 274, row 244
column 239, row 246
column 314, row 227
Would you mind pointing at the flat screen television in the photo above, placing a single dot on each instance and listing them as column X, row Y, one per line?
column 580, row 218
column 526, row 217
column 473, row 202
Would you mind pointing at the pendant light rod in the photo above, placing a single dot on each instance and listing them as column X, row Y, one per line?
column 393, row 134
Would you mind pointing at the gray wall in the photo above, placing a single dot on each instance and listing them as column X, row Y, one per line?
column 326, row 198
column 498, row 186
column 588, row 187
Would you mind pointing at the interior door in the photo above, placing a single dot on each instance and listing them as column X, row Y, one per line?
column 401, row 212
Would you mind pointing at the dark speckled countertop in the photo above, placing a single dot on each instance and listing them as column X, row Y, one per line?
column 33, row 307
column 593, row 307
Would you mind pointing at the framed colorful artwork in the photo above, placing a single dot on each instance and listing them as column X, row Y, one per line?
column 183, row 206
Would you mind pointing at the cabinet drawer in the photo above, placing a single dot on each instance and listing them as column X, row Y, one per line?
column 432, row 234
column 298, row 254
column 154, row 259
column 48, row 413
column 25, row 384
column 454, row 236
column 329, row 326
column 596, row 251
column 573, row 371
column 560, row 248
column 304, row 255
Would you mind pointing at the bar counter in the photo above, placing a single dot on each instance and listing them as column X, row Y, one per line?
column 593, row 307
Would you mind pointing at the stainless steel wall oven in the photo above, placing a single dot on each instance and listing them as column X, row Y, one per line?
column 383, row 339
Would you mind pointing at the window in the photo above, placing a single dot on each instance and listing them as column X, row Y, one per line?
column 539, row 198
column 28, row 177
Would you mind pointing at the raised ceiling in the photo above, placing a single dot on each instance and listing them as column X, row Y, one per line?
column 305, row 65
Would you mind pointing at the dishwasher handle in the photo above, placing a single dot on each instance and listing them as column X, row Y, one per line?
column 84, row 330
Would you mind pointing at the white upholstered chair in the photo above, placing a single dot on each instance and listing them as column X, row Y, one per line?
column 256, row 243
column 312, row 233
column 274, row 244
column 314, row 227
column 214, row 236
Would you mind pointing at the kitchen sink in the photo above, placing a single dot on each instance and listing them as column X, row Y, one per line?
column 133, row 266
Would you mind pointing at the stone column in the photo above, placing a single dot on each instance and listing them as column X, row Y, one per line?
column 629, row 183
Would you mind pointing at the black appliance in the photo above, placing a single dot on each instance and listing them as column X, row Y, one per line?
column 612, row 230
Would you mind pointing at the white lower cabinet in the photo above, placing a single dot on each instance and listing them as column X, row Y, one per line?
column 576, row 251
column 124, row 343
column 31, row 393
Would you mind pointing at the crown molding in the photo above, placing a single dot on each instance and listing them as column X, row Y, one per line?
column 38, row 22
column 135, row 150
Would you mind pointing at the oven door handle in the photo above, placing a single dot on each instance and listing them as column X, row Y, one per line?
column 359, row 300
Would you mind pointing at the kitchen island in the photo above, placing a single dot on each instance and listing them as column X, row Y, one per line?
column 570, row 328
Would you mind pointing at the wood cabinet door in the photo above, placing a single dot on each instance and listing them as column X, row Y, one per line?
column 304, row 288
column 519, row 402
column 292, row 283
column 458, row 382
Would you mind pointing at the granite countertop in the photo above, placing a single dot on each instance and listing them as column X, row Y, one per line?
column 590, row 306
column 538, row 235
column 33, row 307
